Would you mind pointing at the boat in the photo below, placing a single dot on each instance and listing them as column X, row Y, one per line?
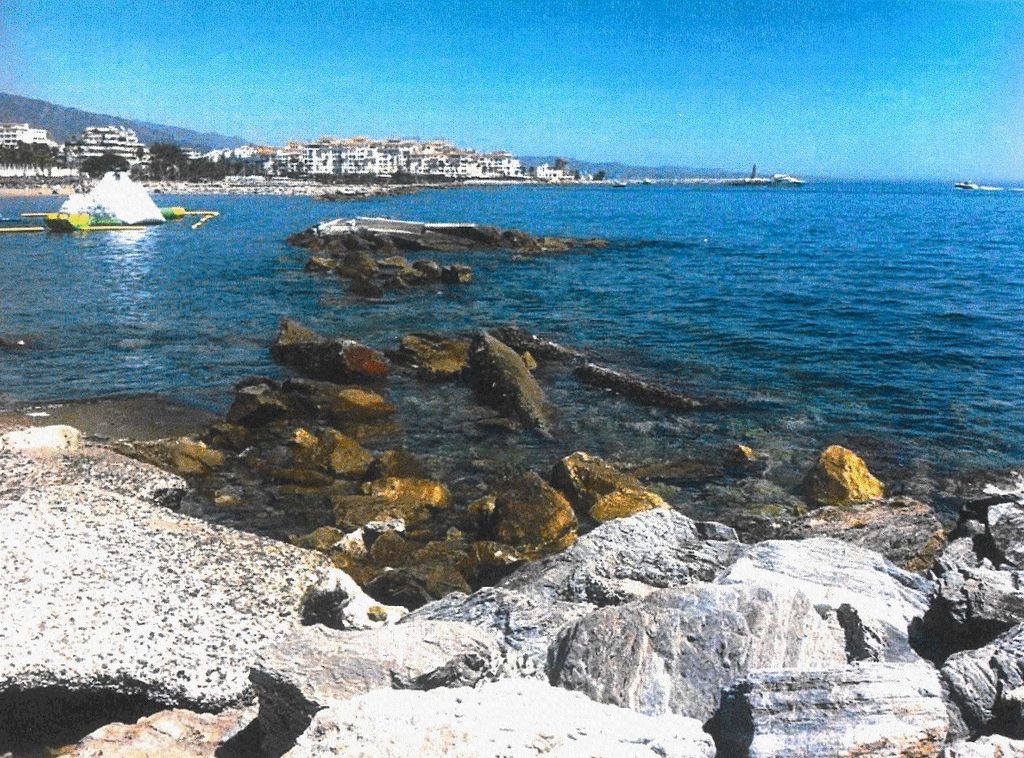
column 975, row 186
column 620, row 184
column 787, row 179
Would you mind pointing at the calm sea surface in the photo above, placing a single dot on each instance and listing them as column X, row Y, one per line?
column 888, row 316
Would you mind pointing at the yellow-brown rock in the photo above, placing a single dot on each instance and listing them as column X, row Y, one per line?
column 533, row 516
column 391, row 549
column 600, row 490
column 343, row 456
column 318, row 539
column 353, row 404
column 182, row 455
column 529, row 360
column 840, row 477
column 436, row 357
column 409, row 489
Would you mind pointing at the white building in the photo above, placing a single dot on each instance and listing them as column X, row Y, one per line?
column 13, row 135
column 546, row 173
column 95, row 141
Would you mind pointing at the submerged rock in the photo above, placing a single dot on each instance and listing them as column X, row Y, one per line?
column 642, row 390
column 500, row 379
column 601, row 491
column 384, row 236
column 511, row 718
column 334, row 360
column 840, row 477
column 885, row 710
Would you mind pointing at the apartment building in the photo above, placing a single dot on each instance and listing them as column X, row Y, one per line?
column 14, row 135
column 95, row 141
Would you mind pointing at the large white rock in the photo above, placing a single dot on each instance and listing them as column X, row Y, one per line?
column 43, row 439
column 888, row 601
column 874, row 709
column 514, row 718
column 105, row 592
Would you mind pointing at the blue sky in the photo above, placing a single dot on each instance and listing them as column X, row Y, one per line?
column 912, row 89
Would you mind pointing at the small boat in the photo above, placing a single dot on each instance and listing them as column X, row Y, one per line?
column 974, row 186
column 786, row 179
column 620, row 184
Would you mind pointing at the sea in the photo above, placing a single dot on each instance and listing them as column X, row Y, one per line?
column 888, row 317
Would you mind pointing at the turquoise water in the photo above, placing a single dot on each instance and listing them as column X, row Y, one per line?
column 886, row 316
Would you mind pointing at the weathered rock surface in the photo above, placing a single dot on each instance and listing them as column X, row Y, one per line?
column 674, row 650
column 629, row 558
column 885, row 710
column 314, row 667
column 515, row 718
column 333, row 360
column 975, row 604
column 168, row 734
column 992, row 746
column 881, row 602
column 840, row 477
column 905, row 531
column 500, row 379
column 987, row 685
column 181, row 455
column 43, row 440
column 524, row 623
column 1006, row 530
column 104, row 591
column 601, row 491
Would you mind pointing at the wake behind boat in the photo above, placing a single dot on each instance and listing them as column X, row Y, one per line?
column 975, row 186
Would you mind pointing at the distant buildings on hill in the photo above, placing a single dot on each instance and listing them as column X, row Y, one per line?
column 325, row 157
column 15, row 135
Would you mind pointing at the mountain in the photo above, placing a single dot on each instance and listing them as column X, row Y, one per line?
column 63, row 123
column 616, row 170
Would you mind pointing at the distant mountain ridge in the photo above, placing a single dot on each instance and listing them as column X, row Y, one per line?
column 63, row 123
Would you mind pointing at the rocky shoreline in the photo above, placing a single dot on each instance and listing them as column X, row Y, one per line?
column 572, row 609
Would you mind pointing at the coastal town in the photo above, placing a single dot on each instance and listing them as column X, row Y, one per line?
column 27, row 152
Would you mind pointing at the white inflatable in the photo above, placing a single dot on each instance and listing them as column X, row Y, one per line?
column 116, row 196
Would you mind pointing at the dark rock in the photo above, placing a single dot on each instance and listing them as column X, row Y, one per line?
column 331, row 359
column 397, row 463
column 456, row 274
column 642, row 390
column 523, row 341
column 427, row 271
column 973, row 605
column 257, row 404
column 500, row 379
column 887, row 710
column 987, row 685
column 674, row 650
column 680, row 472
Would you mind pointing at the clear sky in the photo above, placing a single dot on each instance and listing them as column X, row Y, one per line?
column 915, row 89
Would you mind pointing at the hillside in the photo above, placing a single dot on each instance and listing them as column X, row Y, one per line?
column 63, row 123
